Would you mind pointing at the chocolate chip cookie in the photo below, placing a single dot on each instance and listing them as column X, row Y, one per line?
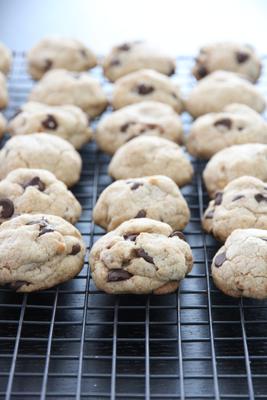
column 151, row 155
column 36, row 191
column 239, row 268
column 67, row 121
column 145, row 118
column 38, row 252
column 233, row 162
column 221, row 88
column 156, row 197
column 144, row 85
column 133, row 56
column 3, row 91
column 236, row 124
column 242, row 204
column 44, row 151
column 60, row 87
column 59, row 52
column 141, row 256
column 5, row 59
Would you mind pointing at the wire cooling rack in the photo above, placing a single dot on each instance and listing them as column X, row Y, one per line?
column 75, row 342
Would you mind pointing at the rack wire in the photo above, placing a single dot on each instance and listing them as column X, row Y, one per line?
column 75, row 342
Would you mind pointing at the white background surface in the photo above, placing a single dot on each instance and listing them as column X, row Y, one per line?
column 178, row 26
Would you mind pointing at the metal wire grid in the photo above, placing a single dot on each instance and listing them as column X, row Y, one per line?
column 75, row 342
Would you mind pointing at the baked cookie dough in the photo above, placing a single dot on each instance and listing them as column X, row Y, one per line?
column 221, row 88
column 242, row 204
column 145, row 118
column 35, row 191
column 44, row 151
column 156, row 197
column 38, row 252
column 59, row 52
column 151, row 155
column 67, row 121
column 144, row 85
column 233, row 162
column 133, row 56
column 5, row 59
column 236, row 124
column 60, row 87
column 228, row 56
column 239, row 268
column 3, row 91
column 141, row 256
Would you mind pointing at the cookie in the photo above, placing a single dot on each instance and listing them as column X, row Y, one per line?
column 151, row 155
column 236, row 124
column 59, row 52
column 239, row 268
column 221, row 88
column 141, row 256
column 60, row 87
column 5, row 59
column 3, row 125
column 133, row 56
column 242, row 204
column 144, row 85
column 67, row 121
column 233, row 162
column 145, row 118
column 44, row 151
column 228, row 56
column 3, row 91
column 38, row 252
column 156, row 197
column 36, row 191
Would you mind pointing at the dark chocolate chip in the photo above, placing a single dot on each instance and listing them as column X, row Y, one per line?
column 47, row 64
column 265, row 239
column 240, row 128
column 179, row 234
column 172, row 71
column 141, row 214
column 218, row 198
column 42, row 221
column 125, row 126
column 36, row 181
column 124, row 47
column 116, row 275
column 50, row 122
column 224, row 122
column 145, row 89
column 219, row 260
column 46, row 229
column 209, row 214
column 114, row 62
column 202, row 72
column 83, row 53
column 16, row 285
column 239, row 196
column 7, row 208
column 242, row 57
column 260, row 197
column 136, row 185
column 76, row 248
column 130, row 236
column 174, row 95
column 143, row 254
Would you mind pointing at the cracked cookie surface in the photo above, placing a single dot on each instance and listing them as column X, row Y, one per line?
column 156, row 197
column 35, row 191
column 144, row 85
column 239, row 268
column 42, row 151
column 67, row 121
column 145, row 118
column 140, row 256
column 38, row 252
column 151, row 155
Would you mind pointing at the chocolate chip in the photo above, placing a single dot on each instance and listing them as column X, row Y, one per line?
column 224, row 122
column 114, row 62
column 130, row 236
column 209, row 214
column 47, row 64
column 46, row 229
column 242, row 57
column 76, row 248
column 202, row 72
column 17, row 284
column 144, row 89
column 42, row 221
column 239, row 196
column 143, row 254
column 141, row 214
column 136, row 185
column 260, row 197
column 172, row 71
column 36, row 181
column 179, row 234
column 50, row 122
column 219, row 260
column 83, row 53
column 125, row 126
column 218, row 198
column 124, row 47
column 116, row 275
column 265, row 239
column 7, row 208
column 174, row 95
column 240, row 128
